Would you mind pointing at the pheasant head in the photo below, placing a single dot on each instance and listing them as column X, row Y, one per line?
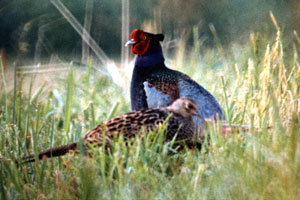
column 185, row 106
column 141, row 41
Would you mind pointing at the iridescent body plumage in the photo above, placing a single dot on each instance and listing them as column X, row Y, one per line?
column 154, row 85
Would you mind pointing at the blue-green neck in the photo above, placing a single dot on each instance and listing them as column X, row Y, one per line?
column 154, row 56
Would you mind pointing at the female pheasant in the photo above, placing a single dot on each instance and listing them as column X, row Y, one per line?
column 154, row 85
column 178, row 117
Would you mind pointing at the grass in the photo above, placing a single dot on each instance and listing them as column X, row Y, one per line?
column 255, row 83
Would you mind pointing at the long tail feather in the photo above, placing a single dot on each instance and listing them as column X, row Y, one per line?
column 52, row 152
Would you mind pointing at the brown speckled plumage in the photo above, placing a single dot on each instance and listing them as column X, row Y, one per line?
column 170, row 88
column 180, row 122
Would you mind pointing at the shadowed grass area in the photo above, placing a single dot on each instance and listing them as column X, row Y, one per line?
column 259, row 85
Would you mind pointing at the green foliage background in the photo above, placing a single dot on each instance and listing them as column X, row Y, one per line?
column 232, row 19
column 250, row 64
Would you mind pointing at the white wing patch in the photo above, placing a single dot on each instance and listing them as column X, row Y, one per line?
column 155, row 98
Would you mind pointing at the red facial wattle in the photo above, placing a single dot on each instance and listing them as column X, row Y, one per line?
column 142, row 42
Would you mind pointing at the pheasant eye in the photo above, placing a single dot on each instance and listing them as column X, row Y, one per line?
column 189, row 106
column 144, row 37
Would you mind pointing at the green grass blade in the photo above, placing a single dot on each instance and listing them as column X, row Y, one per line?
column 4, row 91
column 113, row 109
column 68, row 104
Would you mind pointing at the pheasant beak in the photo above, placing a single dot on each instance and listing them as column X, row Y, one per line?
column 130, row 42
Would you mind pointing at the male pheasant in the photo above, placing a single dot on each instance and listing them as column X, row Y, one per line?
column 178, row 117
column 154, row 85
